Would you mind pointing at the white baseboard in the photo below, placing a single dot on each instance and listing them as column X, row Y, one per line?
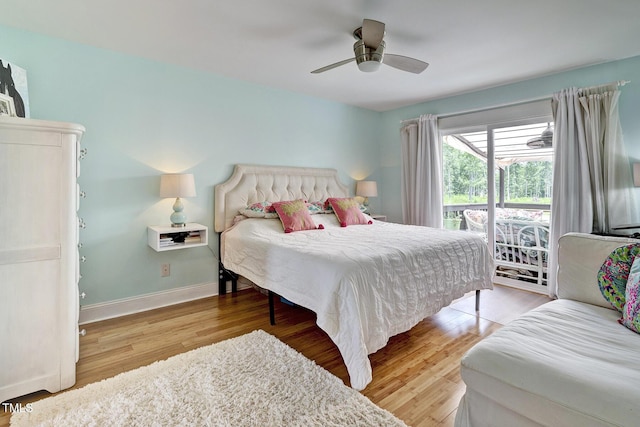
column 122, row 307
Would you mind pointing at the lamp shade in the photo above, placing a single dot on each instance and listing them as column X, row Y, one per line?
column 366, row 189
column 177, row 185
column 636, row 174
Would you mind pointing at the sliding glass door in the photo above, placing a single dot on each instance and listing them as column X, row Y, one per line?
column 497, row 183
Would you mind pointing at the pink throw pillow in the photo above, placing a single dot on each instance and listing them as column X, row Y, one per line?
column 295, row 216
column 347, row 211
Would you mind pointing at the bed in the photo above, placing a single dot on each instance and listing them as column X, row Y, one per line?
column 366, row 283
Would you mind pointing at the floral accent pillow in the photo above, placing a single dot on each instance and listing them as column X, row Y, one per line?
column 614, row 273
column 348, row 211
column 631, row 310
column 295, row 216
column 259, row 210
column 318, row 208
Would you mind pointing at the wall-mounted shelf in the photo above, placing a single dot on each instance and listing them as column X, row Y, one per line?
column 166, row 238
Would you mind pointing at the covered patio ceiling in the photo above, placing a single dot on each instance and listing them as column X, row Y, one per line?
column 510, row 144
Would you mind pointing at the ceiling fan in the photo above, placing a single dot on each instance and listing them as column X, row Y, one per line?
column 369, row 52
column 545, row 140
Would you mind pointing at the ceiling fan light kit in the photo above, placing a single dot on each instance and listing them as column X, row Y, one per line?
column 368, row 59
column 369, row 52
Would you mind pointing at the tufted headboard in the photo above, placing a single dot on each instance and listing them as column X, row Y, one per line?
column 250, row 184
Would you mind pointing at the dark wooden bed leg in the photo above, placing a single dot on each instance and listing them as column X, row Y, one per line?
column 478, row 300
column 225, row 275
column 272, row 316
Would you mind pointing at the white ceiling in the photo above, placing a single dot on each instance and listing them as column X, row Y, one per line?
column 470, row 44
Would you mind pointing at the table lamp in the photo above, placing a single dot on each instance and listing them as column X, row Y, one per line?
column 177, row 185
column 366, row 189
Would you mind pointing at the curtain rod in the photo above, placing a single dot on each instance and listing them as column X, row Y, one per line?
column 618, row 83
column 475, row 110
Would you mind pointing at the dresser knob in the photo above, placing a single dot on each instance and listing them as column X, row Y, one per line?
column 83, row 153
column 83, row 332
column 81, row 223
column 83, row 258
column 83, row 194
column 80, row 245
column 83, row 295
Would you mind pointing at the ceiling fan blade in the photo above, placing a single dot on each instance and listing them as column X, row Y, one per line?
column 372, row 33
column 329, row 67
column 405, row 63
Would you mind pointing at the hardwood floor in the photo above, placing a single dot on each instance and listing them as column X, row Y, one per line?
column 416, row 376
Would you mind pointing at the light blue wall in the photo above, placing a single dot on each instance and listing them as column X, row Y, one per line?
column 628, row 69
column 144, row 118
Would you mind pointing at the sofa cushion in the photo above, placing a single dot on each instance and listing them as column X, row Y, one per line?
column 631, row 311
column 518, row 214
column 573, row 354
column 614, row 273
column 578, row 267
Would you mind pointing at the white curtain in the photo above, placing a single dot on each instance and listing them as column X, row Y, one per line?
column 592, row 181
column 422, row 172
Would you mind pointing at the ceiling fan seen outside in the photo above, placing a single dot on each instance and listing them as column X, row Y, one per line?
column 545, row 140
column 369, row 52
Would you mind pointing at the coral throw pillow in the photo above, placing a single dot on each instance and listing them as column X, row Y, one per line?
column 631, row 310
column 348, row 211
column 295, row 216
column 614, row 274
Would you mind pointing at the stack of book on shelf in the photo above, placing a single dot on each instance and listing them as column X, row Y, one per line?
column 193, row 237
column 166, row 240
column 180, row 238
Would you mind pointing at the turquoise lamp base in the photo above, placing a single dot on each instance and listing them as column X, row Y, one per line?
column 178, row 217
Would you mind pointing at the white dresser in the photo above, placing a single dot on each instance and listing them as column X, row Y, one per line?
column 39, row 256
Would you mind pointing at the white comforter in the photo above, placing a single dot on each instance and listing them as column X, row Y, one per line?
column 366, row 283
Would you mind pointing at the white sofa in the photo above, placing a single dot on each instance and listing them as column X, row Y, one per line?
column 567, row 363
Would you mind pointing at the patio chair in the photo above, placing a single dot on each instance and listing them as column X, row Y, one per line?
column 521, row 243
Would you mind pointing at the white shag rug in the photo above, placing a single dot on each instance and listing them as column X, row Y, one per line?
column 251, row 380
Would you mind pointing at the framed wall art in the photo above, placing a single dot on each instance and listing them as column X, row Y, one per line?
column 13, row 84
column 7, row 108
